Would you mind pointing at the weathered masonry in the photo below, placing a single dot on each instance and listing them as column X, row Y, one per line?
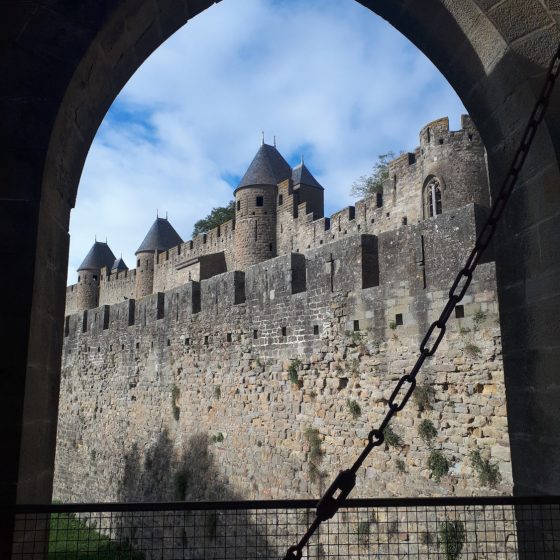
column 278, row 361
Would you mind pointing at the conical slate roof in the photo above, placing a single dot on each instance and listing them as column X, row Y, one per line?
column 302, row 176
column 160, row 237
column 119, row 265
column 99, row 256
column 267, row 168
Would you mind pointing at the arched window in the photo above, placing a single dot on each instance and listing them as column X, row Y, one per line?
column 432, row 198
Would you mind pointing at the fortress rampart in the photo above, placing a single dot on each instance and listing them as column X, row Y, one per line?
column 251, row 362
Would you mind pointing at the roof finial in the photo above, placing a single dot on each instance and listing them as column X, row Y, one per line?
column 105, row 240
column 275, row 140
column 95, row 237
column 157, row 213
column 262, row 139
column 166, row 216
column 302, row 162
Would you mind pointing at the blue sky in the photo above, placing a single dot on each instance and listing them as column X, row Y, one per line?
column 328, row 78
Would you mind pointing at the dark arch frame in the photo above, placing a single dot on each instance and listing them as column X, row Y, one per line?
column 64, row 63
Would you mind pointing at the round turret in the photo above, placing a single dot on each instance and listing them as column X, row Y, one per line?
column 89, row 275
column 160, row 237
column 255, row 207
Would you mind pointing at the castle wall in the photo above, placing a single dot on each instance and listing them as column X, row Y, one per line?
column 253, row 360
column 117, row 287
column 170, row 270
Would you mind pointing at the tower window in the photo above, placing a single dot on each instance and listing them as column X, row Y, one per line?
column 398, row 319
column 284, row 331
column 315, row 330
column 95, row 276
column 356, row 325
column 459, row 311
column 260, row 201
column 432, row 198
column 280, row 199
column 238, row 205
column 255, row 334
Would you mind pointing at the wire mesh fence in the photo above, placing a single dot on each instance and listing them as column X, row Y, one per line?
column 450, row 529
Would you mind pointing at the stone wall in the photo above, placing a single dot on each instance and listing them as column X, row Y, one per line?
column 282, row 371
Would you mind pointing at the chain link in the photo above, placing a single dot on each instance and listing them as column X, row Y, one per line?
column 344, row 483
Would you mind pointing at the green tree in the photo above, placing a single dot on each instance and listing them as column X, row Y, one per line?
column 372, row 183
column 217, row 217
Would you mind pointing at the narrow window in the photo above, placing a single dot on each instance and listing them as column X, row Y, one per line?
column 441, row 141
column 260, row 201
column 356, row 325
column 280, row 199
column 404, row 221
column 398, row 319
column 110, row 348
column 138, row 262
column 315, row 330
column 238, row 205
column 122, row 346
column 204, row 238
column 78, row 278
column 255, row 334
column 206, row 340
column 228, row 337
column 470, row 137
column 168, row 342
column 270, row 246
column 137, row 345
column 95, row 276
column 99, row 348
column 459, row 311
column 432, row 198
column 187, row 341
column 428, row 135
column 284, row 331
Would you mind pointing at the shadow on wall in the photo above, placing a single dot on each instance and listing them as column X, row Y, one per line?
column 162, row 475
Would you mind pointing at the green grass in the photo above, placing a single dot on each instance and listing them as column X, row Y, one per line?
column 69, row 537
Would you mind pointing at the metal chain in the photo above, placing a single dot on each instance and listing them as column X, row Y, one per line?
column 343, row 484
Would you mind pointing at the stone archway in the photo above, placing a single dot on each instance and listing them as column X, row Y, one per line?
column 63, row 65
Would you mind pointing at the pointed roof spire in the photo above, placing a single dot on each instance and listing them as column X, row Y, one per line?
column 99, row 255
column 160, row 237
column 267, row 168
column 302, row 176
column 119, row 265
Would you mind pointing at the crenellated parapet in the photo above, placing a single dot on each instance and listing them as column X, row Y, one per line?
column 425, row 256
column 279, row 210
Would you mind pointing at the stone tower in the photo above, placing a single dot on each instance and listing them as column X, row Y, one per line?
column 454, row 167
column 255, row 207
column 89, row 275
column 160, row 237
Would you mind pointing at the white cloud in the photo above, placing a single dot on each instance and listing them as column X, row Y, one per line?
column 327, row 77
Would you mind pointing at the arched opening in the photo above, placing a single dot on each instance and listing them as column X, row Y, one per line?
column 432, row 195
column 61, row 85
